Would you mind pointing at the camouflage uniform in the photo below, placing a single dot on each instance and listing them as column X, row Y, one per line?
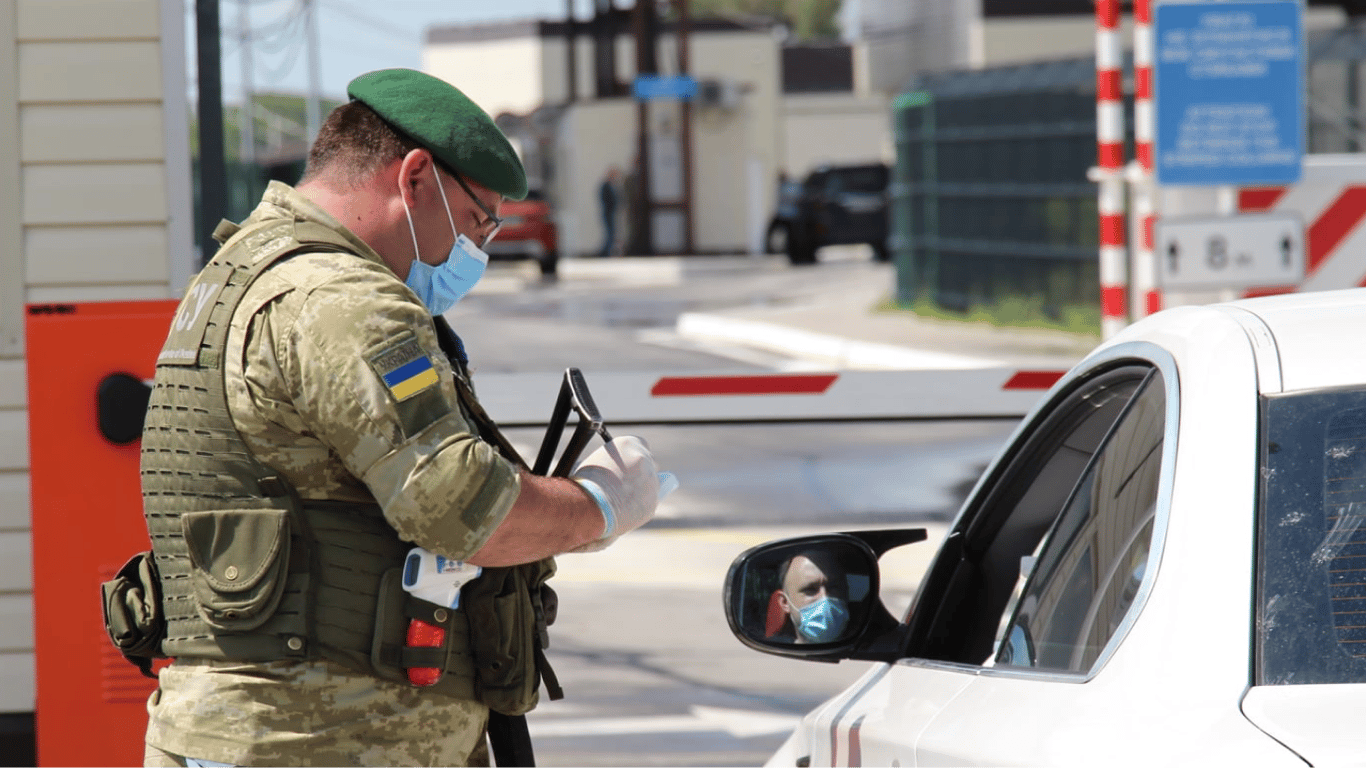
column 306, row 351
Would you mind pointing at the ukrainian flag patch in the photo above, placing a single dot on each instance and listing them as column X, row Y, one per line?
column 405, row 369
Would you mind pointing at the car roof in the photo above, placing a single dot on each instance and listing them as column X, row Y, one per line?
column 1317, row 336
column 1301, row 341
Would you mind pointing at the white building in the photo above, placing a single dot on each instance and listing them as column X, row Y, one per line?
column 748, row 127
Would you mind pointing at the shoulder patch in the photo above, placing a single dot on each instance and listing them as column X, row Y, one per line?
column 405, row 368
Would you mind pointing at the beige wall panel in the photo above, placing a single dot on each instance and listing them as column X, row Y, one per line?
column 17, row 678
column 498, row 75
column 11, row 226
column 596, row 134
column 89, row 19
column 16, row 623
column 86, row 71
column 1016, row 40
column 16, row 562
column 822, row 130
column 555, row 70
column 71, row 133
column 72, row 294
column 13, row 440
column 94, row 194
column 13, row 387
column 14, row 501
column 735, row 151
column 76, row 255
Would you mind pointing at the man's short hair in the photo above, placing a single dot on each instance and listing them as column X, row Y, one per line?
column 353, row 144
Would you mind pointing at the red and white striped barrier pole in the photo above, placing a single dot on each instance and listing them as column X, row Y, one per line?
column 1110, row 168
column 1147, row 296
column 526, row 399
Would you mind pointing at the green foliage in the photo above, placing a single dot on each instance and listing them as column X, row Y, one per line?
column 1012, row 311
column 291, row 110
column 809, row 19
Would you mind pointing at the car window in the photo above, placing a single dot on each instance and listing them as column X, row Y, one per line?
column 1086, row 574
column 1062, row 521
column 1311, row 564
column 862, row 179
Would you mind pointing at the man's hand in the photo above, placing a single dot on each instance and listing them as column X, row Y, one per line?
column 622, row 478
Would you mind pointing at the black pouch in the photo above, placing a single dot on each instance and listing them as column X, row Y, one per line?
column 239, row 560
column 390, row 657
column 506, row 635
column 132, row 612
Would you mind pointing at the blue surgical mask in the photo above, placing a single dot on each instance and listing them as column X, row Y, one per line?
column 441, row 286
column 823, row 620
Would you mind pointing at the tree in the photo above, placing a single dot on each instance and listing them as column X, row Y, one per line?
column 808, row 18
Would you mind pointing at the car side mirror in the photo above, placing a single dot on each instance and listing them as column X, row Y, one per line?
column 816, row 597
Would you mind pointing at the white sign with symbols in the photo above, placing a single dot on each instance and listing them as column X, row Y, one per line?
column 1230, row 252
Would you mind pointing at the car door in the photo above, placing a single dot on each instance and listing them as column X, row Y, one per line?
column 1035, row 582
column 854, row 205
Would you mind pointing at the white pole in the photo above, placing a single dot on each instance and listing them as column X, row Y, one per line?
column 1109, row 173
column 1147, row 298
column 247, row 117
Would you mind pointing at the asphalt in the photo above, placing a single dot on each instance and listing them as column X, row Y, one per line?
column 847, row 323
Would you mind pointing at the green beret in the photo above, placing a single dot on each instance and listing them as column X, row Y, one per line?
column 445, row 122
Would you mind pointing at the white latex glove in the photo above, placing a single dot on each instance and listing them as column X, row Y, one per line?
column 622, row 478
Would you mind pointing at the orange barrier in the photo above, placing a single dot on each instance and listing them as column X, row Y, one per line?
column 86, row 503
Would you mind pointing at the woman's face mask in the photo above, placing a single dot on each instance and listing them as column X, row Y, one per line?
column 823, row 620
column 441, row 286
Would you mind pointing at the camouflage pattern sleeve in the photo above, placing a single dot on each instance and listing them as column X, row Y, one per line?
column 345, row 379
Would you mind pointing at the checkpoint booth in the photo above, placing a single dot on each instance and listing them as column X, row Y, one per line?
column 86, row 365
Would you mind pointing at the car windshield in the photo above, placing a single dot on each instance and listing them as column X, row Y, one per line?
column 1311, row 601
column 862, row 179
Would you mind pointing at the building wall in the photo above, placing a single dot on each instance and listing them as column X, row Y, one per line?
column 739, row 147
column 736, row 148
column 500, row 75
column 831, row 129
column 593, row 136
column 555, row 72
column 95, row 175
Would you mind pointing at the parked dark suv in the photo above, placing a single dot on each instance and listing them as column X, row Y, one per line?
column 837, row 205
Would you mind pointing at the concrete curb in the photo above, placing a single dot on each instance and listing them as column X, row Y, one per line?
column 833, row 350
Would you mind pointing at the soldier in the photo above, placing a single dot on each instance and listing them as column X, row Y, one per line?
column 311, row 423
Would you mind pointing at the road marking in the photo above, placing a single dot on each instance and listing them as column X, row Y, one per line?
column 740, row 723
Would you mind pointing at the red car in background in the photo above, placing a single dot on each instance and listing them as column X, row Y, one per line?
column 528, row 232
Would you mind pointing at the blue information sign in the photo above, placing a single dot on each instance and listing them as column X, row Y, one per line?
column 646, row 87
column 1229, row 92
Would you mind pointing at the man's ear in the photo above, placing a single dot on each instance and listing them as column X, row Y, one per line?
column 414, row 174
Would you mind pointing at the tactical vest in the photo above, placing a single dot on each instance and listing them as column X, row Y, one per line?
column 249, row 571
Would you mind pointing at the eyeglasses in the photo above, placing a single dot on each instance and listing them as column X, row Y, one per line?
column 492, row 218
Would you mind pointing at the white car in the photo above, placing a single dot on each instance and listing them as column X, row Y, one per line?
column 1165, row 565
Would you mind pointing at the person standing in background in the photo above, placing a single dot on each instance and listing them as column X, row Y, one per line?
column 609, row 197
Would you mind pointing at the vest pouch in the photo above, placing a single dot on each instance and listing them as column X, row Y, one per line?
column 391, row 628
column 390, row 658
column 503, row 635
column 238, row 562
column 132, row 611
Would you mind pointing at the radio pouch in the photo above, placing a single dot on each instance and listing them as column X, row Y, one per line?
column 132, row 612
